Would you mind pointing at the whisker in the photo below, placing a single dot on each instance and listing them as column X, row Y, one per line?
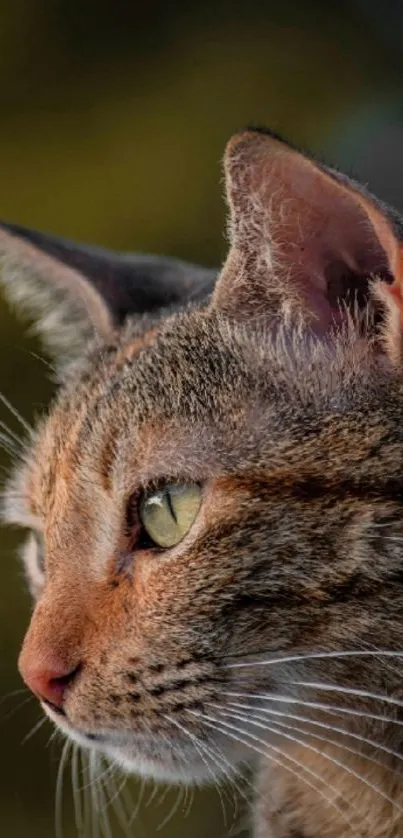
column 95, row 765
column 135, row 809
column 151, row 797
column 172, row 812
column 78, row 812
column 104, row 817
column 87, row 804
column 92, row 764
column 320, row 753
column 115, row 802
column 335, row 742
column 44, row 361
column 34, row 730
column 13, row 694
column 325, row 739
column 205, row 754
column 281, row 759
column 16, row 414
column 324, row 725
column 59, row 790
column 314, row 656
column 11, row 435
column 348, row 691
column 52, row 737
column 189, row 806
column 229, row 778
column 8, row 446
column 315, row 705
column 163, row 796
column 201, row 751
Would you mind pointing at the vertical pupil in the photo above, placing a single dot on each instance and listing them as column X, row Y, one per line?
column 170, row 506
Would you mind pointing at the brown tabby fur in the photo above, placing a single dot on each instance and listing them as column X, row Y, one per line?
column 282, row 395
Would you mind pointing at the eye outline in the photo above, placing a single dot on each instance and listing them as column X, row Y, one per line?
column 135, row 528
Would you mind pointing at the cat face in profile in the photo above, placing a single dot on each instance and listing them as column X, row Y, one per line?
column 214, row 499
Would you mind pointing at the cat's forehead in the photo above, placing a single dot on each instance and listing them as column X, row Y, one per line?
column 142, row 408
column 189, row 398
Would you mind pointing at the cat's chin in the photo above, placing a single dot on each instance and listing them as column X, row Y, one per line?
column 168, row 767
column 148, row 756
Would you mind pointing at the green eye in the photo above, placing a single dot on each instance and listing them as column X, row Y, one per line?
column 168, row 514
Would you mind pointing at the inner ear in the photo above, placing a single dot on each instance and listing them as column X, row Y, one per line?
column 300, row 234
column 353, row 290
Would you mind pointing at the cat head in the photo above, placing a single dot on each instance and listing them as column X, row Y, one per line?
column 218, row 484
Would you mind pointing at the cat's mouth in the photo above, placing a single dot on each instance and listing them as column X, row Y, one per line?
column 166, row 756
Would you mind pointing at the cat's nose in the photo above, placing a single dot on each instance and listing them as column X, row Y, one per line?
column 50, row 681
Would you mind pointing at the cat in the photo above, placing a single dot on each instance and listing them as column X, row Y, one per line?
column 214, row 501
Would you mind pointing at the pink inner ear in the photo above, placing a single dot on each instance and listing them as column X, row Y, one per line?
column 300, row 233
column 327, row 240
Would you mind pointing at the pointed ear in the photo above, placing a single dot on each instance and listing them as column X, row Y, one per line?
column 78, row 292
column 302, row 237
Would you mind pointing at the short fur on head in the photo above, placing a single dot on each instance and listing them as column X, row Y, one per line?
column 272, row 631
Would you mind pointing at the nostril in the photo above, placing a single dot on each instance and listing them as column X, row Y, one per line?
column 50, row 683
column 58, row 686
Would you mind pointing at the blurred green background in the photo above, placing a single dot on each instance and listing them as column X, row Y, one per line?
column 114, row 117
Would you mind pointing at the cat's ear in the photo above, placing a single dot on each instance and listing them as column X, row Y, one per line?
column 75, row 292
column 301, row 236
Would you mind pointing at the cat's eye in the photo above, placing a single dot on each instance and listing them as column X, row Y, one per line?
column 168, row 513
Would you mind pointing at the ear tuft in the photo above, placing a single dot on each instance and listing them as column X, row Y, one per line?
column 390, row 299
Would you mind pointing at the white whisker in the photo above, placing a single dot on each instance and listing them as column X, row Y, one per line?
column 129, row 801
column 281, row 759
column 323, row 725
column 13, row 694
column 314, row 656
column 78, row 813
column 315, row 705
column 201, row 750
column 317, row 685
column 86, row 796
column 104, row 817
column 189, row 805
column 16, row 414
column 321, row 738
column 172, row 812
column 206, row 752
column 34, row 730
column 8, row 446
column 151, row 797
column 92, row 764
column 11, row 435
column 59, row 790
column 115, row 801
column 331, row 759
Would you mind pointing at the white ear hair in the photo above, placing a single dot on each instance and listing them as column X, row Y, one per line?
column 76, row 292
column 303, row 238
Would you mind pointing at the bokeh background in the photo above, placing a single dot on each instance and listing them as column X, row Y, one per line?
column 114, row 116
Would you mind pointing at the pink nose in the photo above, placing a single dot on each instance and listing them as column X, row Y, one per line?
column 49, row 683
